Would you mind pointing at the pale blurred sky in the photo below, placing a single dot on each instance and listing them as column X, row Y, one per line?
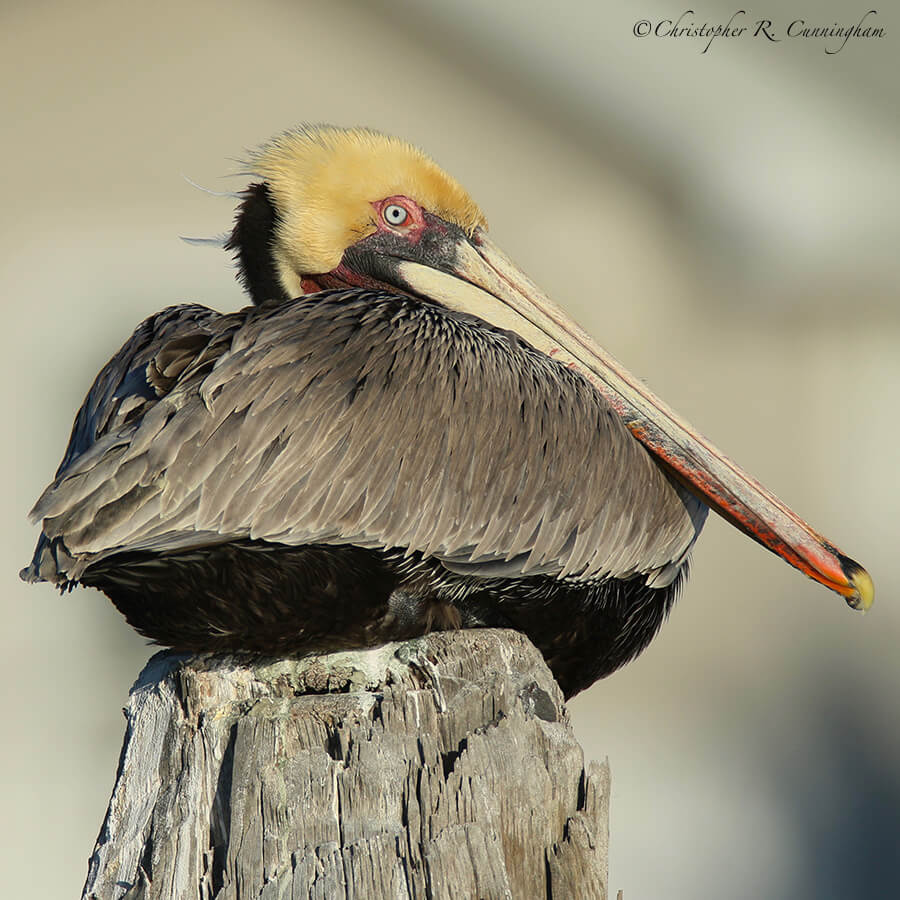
column 726, row 223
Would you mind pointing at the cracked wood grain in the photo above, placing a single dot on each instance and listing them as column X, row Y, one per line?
column 443, row 767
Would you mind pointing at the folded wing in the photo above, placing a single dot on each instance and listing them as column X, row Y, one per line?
column 359, row 418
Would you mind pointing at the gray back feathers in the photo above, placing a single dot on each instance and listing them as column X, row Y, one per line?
column 365, row 418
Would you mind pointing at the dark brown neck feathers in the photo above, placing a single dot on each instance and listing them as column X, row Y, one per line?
column 252, row 240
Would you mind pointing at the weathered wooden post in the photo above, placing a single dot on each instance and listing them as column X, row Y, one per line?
column 439, row 767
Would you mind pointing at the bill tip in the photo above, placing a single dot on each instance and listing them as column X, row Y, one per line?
column 863, row 589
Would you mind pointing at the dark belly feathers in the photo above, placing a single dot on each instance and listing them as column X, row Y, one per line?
column 256, row 600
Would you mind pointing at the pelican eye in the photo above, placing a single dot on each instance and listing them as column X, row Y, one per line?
column 394, row 214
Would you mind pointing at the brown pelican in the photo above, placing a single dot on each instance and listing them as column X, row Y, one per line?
column 401, row 434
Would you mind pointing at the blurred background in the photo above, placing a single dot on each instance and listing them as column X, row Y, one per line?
column 726, row 223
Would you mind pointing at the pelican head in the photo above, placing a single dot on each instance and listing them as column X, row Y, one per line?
column 327, row 191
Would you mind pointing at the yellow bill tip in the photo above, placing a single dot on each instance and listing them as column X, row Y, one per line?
column 863, row 590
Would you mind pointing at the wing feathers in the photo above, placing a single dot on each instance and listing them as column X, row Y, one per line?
column 365, row 417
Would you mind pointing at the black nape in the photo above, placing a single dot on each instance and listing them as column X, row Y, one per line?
column 252, row 241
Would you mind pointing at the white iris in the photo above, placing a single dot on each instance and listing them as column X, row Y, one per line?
column 394, row 214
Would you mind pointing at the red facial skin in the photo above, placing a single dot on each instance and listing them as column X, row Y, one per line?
column 414, row 225
column 342, row 277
